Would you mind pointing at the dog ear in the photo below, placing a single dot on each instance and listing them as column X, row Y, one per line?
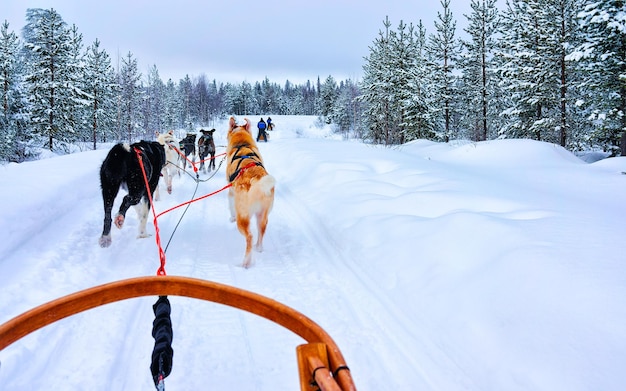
column 247, row 126
column 232, row 123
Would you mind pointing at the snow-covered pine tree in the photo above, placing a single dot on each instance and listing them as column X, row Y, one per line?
column 216, row 100
column 308, row 98
column 289, row 101
column 388, row 85
column 153, row 110
column 240, row 99
column 523, row 71
column 267, row 96
column 346, row 109
column 559, row 19
column 200, row 101
column 534, row 68
column 172, row 103
column 100, row 84
column 375, row 86
column 248, row 99
column 567, row 38
column 418, row 115
column 480, row 116
column 603, row 61
column 403, row 49
column 443, row 51
column 74, row 84
column 49, row 84
column 185, row 88
column 12, row 118
column 130, row 97
column 327, row 98
column 292, row 99
column 231, row 98
column 259, row 96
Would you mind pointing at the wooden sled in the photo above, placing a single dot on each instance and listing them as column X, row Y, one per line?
column 320, row 362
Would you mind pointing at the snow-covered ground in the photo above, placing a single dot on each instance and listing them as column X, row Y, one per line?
column 471, row 266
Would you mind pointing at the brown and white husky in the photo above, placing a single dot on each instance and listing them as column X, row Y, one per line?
column 252, row 190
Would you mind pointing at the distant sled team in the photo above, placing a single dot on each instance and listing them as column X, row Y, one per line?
column 251, row 194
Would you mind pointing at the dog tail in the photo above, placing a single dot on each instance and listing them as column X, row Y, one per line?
column 266, row 184
column 115, row 167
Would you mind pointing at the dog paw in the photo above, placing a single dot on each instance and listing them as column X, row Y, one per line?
column 105, row 241
column 169, row 190
column 247, row 261
column 143, row 235
column 232, row 219
column 258, row 248
column 119, row 221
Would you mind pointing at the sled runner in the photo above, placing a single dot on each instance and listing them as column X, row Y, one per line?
column 320, row 362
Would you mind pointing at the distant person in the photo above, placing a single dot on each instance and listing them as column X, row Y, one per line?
column 270, row 124
column 262, row 127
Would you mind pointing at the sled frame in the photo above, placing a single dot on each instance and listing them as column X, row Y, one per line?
column 318, row 360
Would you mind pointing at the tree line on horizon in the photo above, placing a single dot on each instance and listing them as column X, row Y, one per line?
column 55, row 93
column 549, row 70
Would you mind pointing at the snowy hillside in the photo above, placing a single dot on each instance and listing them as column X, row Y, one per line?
column 488, row 266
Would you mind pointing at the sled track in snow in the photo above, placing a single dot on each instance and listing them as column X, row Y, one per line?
column 335, row 259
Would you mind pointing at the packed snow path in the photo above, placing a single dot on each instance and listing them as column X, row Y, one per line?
column 480, row 266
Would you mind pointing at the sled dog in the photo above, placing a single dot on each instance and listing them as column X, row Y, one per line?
column 206, row 147
column 170, row 169
column 122, row 167
column 252, row 190
column 188, row 147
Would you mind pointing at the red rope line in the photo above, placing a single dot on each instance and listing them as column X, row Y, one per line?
column 211, row 158
column 161, row 269
column 193, row 164
column 207, row 195
column 194, row 200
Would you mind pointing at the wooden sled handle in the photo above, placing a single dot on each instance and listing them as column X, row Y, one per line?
column 75, row 303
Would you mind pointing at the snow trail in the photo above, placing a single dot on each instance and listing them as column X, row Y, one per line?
column 481, row 266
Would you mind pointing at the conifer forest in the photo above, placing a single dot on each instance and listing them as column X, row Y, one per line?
column 548, row 70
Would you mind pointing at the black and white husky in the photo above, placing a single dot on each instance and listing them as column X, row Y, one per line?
column 122, row 168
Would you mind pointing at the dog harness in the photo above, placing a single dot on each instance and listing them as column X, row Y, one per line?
column 252, row 155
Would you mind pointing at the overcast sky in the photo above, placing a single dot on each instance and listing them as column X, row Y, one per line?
column 238, row 40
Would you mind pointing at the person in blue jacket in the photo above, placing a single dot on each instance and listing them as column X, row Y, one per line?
column 270, row 125
column 262, row 127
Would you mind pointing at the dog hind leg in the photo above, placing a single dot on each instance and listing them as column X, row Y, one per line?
column 201, row 157
column 112, row 174
column 266, row 188
column 243, row 224
column 212, row 162
column 129, row 200
column 261, row 221
column 110, row 188
column 108, row 197
column 231, row 204
column 142, row 209
column 167, row 175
